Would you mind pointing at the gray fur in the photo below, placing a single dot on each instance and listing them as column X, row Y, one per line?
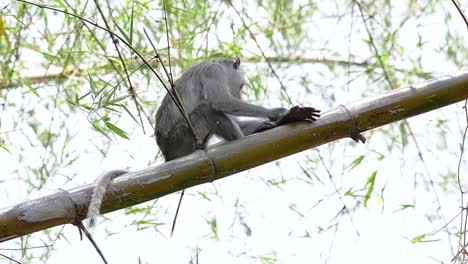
column 211, row 94
column 99, row 192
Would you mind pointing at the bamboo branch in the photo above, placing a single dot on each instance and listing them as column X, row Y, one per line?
column 219, row 161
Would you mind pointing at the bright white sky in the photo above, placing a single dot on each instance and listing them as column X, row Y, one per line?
column 277, row 231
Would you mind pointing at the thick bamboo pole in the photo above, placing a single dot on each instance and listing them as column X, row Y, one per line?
column 223, row 160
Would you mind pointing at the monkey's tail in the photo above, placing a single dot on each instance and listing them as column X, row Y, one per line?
column 98, row 194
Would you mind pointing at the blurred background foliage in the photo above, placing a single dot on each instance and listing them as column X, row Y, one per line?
column 69, row 112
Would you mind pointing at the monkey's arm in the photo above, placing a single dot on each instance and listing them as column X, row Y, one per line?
column 249, row 127
column 216, row 89
column 294, row 114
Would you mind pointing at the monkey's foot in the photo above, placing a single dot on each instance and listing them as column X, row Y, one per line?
column 298, row 113
column 356, row 136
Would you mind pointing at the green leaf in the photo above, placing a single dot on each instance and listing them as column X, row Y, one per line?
column 95, row 125
column 83, row 96
column 48, row 56
column 384, row 58
column 129, row 113
column 380, row 156
column 92, row 84
column 204, row 196
column 418, row 239
column 45, row 137
column 118, row 99
column 404, row 206
column 355, row 162
column 131, row 23
column 2, row 145
column 306, row 172
column 122, row 31
column 87, row 107
column 403, row 134
column 247, row 229
column 116, row 130
column 61, row 4
column 350, row 193
column 267, row 260
column 370, row 187
column 214, row 228
column 32, row 89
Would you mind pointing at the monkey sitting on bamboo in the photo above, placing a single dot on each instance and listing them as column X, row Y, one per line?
column 211, row 94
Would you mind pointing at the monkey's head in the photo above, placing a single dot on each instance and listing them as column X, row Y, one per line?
column 235, row 76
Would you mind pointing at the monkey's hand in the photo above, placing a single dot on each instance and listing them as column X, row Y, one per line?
column 298, row 113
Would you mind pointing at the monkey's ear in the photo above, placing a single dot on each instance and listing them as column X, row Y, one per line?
column 237, row 63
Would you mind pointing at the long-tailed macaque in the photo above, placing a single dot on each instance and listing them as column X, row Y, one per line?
column 211, row 95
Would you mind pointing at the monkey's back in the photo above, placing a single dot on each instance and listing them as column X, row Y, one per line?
column 190, row 90
column 168, row 115
column 170, row 124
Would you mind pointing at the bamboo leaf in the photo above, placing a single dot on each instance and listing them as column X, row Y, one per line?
column 370, row 187
column 117, row 130
column 355, row 162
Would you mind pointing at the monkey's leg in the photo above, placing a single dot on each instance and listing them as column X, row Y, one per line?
column 177, row 143
column 226, row 127
column 180, row 141
column 206, row 121
column 203, row 123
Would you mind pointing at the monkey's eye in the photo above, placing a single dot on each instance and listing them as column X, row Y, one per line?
column 242, row 86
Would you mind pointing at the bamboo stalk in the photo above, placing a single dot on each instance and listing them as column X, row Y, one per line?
column 227, row 159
